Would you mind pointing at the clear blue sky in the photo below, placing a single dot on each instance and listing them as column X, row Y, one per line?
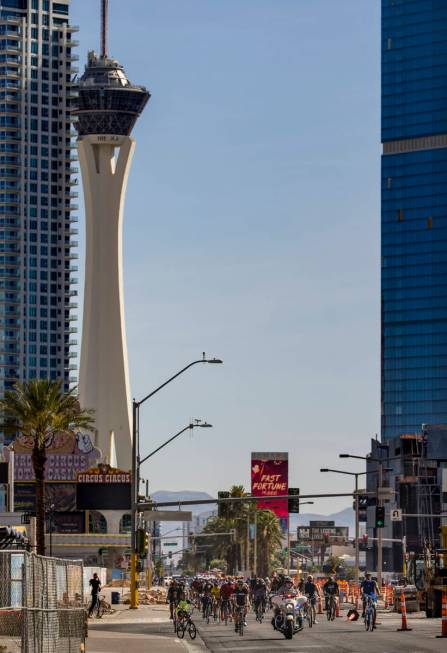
column 252, row 231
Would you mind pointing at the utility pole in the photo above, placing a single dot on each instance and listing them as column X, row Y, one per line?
column 357, row 532
column 379, row 530
column 255, row 546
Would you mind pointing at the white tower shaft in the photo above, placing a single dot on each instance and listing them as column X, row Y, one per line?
column 104, row 376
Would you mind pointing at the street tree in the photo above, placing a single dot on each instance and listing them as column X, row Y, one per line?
column 38, row 409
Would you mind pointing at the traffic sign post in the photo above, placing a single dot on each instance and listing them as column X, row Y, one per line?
column 396, row 514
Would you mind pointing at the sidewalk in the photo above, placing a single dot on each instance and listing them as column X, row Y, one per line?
column 137, row 631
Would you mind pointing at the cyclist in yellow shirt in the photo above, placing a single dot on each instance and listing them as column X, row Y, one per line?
column 215, row 591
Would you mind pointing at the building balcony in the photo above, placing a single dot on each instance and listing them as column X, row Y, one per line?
column 71, row 330
column 72, row 306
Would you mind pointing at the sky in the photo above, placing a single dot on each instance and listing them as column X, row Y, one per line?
column 251, row 232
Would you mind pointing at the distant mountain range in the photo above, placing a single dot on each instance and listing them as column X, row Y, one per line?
column 344, row 517
column 184, row 495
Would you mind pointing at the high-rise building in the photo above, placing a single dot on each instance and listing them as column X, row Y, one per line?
column 37, row 158
column 413, row 445
column 414, row 215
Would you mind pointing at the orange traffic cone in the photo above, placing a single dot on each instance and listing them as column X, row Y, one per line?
column 444, row 616
column 403, row 609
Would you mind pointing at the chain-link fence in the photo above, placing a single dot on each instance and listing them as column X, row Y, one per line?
column 41, row 604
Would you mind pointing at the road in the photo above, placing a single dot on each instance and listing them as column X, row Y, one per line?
column 150, row 629
column 339, row 636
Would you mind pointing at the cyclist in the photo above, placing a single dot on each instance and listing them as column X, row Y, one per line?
column 95, row 584
column 183, row 606
column 172, row 598
column 215, row 591
column 240, row 602
column 207, row 597
column 311, row 591
column 369, row 587
column 226, row 592
column 330, row 588
column 260, row 595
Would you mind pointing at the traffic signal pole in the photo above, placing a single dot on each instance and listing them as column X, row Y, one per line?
column 379, row 534
column 357, row 531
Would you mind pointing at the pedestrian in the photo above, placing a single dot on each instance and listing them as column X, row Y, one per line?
column 95, row 584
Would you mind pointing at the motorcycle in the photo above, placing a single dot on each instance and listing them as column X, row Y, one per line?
column 288, row 614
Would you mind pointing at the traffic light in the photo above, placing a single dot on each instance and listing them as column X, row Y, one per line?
column 145, row 550
column 223, row 509
column 170, row 555
column 363, row 501
column 294, row 504
column 380, row 516
column 140, row 541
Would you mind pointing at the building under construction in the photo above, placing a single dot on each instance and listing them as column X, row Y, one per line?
column 414, row 467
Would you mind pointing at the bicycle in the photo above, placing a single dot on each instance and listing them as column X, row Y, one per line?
column 311, row 612
column 330, row 607
column 101, row 608
column 259, row 610
column 239, row 619
column 207, row 608
column 225, row 610
column 370, row 614
column 185, row 623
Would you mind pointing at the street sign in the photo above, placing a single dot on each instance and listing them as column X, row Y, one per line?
column 396, row 514
column 169, row 543
column 385, row 493
column 167, row 515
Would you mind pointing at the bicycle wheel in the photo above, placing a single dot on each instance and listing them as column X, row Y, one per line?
column 100, row 610
column 192, row 630
column 180, row 631
column 309, row 616
column 333, row 609
column 241, row 624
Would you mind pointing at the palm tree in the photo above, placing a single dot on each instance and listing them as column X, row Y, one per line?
column 38, row 409
column 268, row 540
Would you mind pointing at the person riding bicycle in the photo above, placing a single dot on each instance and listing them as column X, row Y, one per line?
column 369, row 588
column 330, row 588
column 95, row 584
column 311, row 591
column 183, row 606
column 241, row 602
column 172, row 598
column 260, row 594
column 207, row 597
column 226, row 592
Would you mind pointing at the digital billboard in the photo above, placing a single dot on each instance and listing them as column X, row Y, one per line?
column 61, row 495
column 103, row 488
column 270, row 477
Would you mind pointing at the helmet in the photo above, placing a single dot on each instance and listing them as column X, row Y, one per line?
column 310, row 577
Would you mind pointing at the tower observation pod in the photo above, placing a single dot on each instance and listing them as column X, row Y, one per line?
column 106, row 111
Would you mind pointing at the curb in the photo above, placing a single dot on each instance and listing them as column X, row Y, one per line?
column 194, row 646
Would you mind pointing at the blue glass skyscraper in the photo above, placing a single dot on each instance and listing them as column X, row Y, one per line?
column 414, row 215
column 36, row 191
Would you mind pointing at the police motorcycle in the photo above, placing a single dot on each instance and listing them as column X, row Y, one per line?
column 288, row 608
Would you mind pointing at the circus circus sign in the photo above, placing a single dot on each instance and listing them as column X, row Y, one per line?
column 68, row 454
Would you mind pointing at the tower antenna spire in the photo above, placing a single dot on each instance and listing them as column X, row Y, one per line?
column 104, row 28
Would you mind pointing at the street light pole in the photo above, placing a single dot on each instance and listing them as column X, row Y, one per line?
column 357, row 520
column 135, row 480
column 380, row 462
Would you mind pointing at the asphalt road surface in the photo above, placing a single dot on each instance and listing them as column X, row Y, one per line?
column 339, row 636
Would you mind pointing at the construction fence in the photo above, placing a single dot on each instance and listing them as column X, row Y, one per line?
column 41, row 604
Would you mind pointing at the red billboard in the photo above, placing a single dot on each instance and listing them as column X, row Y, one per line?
column 269, row 478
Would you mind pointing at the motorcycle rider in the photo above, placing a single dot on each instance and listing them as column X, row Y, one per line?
column 287, row 590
